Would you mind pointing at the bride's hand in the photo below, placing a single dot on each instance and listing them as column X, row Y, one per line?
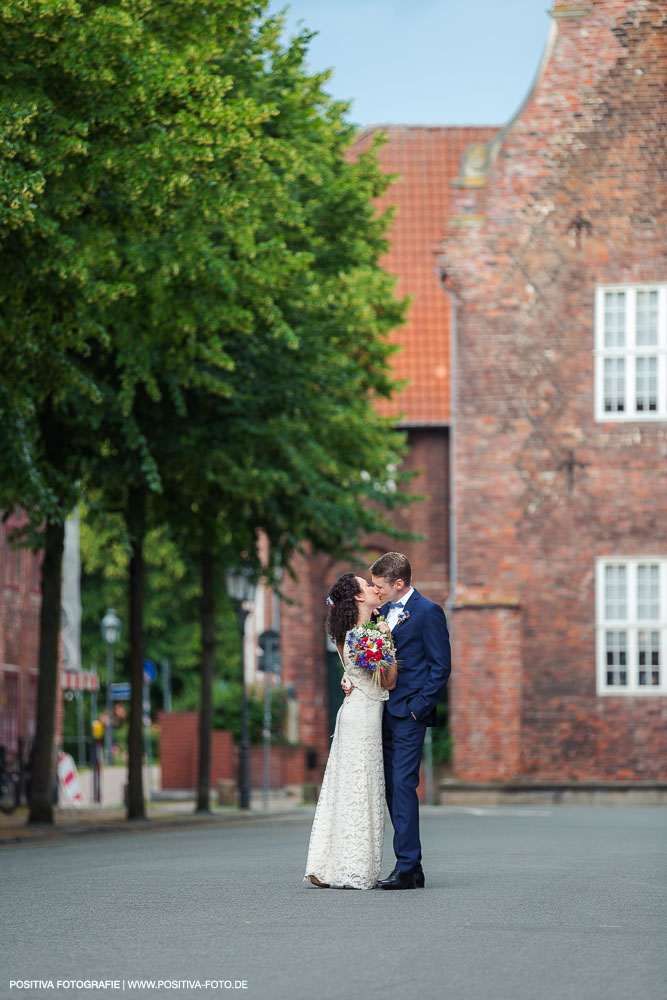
column 347, row 685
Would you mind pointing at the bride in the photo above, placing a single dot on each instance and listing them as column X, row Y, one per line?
column 347, row 836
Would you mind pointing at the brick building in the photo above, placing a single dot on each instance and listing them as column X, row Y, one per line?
column 19, row 641
column 557, row 259
column 426, row 160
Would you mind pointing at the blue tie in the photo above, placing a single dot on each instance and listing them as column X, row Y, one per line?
column 394, row 604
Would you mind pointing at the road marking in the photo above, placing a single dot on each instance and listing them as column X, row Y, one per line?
column 495, row 811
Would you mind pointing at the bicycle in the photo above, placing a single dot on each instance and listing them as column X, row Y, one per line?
column 10, row 786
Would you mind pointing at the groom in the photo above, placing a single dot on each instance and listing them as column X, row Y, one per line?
column 419, row 630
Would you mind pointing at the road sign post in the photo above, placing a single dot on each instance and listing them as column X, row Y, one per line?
column 150, row 673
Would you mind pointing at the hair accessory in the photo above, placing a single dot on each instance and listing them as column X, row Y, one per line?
column 330, row 602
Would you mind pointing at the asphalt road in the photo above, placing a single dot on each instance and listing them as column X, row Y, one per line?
column 560, row 903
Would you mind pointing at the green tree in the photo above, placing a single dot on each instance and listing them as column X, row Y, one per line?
column 193, row 312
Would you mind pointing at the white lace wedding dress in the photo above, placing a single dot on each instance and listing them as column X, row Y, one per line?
column 347, row 836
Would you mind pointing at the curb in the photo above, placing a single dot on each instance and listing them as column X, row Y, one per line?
column 585, row 793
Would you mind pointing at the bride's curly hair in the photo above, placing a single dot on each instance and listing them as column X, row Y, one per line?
column 343, row 609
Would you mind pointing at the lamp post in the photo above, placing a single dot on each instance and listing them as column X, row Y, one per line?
column 241, row 589
column 110, row 629
column 269, row 662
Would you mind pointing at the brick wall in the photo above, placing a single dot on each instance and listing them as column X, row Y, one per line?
column 179, row 751
column 574, row 197
column 485, row 696
column 179, row 756
column 429, row 556
column 288, row 766
column 223, row 756
column 178, row 740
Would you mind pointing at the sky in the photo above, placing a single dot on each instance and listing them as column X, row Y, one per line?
column 425, row 62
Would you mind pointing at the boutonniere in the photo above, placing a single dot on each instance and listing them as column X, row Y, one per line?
column 402, row 617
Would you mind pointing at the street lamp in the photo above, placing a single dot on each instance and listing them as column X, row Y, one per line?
column 241, row 589
column 110, row 629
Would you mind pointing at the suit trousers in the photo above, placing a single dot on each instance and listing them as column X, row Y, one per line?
column 402, row 743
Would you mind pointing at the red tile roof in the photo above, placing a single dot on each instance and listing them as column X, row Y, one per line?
column 427, row 159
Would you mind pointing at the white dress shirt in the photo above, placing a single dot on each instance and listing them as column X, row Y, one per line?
column 393, row 613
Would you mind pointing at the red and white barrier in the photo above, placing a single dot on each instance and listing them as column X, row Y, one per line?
column 79, row 680
column 68, row 777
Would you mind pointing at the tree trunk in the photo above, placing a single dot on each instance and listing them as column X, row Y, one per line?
column 136, row 524
column 207, row 660
column 43, row 769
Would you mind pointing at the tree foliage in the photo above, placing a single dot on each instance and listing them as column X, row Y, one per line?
column 179, row 215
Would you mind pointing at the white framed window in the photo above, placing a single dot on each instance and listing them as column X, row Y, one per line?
column 631, row 352
column 631, row 625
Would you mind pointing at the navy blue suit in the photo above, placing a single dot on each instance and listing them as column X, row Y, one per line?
column 424, row 665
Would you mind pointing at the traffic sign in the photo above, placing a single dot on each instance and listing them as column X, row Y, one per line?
column 150, row 671
column 120, row 691
column 269, row 643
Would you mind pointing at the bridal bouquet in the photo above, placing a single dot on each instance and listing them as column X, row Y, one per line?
column 371, row 648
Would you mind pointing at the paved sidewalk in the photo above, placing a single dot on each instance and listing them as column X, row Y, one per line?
column 112, row 785
column 179, row 813
column 164, row 809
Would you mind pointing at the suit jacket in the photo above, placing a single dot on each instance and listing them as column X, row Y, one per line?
column 424, row 660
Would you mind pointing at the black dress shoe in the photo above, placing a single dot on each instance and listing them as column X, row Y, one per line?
column 419, row 877
column 398, row 880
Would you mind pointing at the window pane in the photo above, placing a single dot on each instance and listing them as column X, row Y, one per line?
column 648, row 647
column 615, row 592
column 646, row 384
column 648, row 592
column 614, row 385
column 616, row 658
column 614, row 319
column 647, row 317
